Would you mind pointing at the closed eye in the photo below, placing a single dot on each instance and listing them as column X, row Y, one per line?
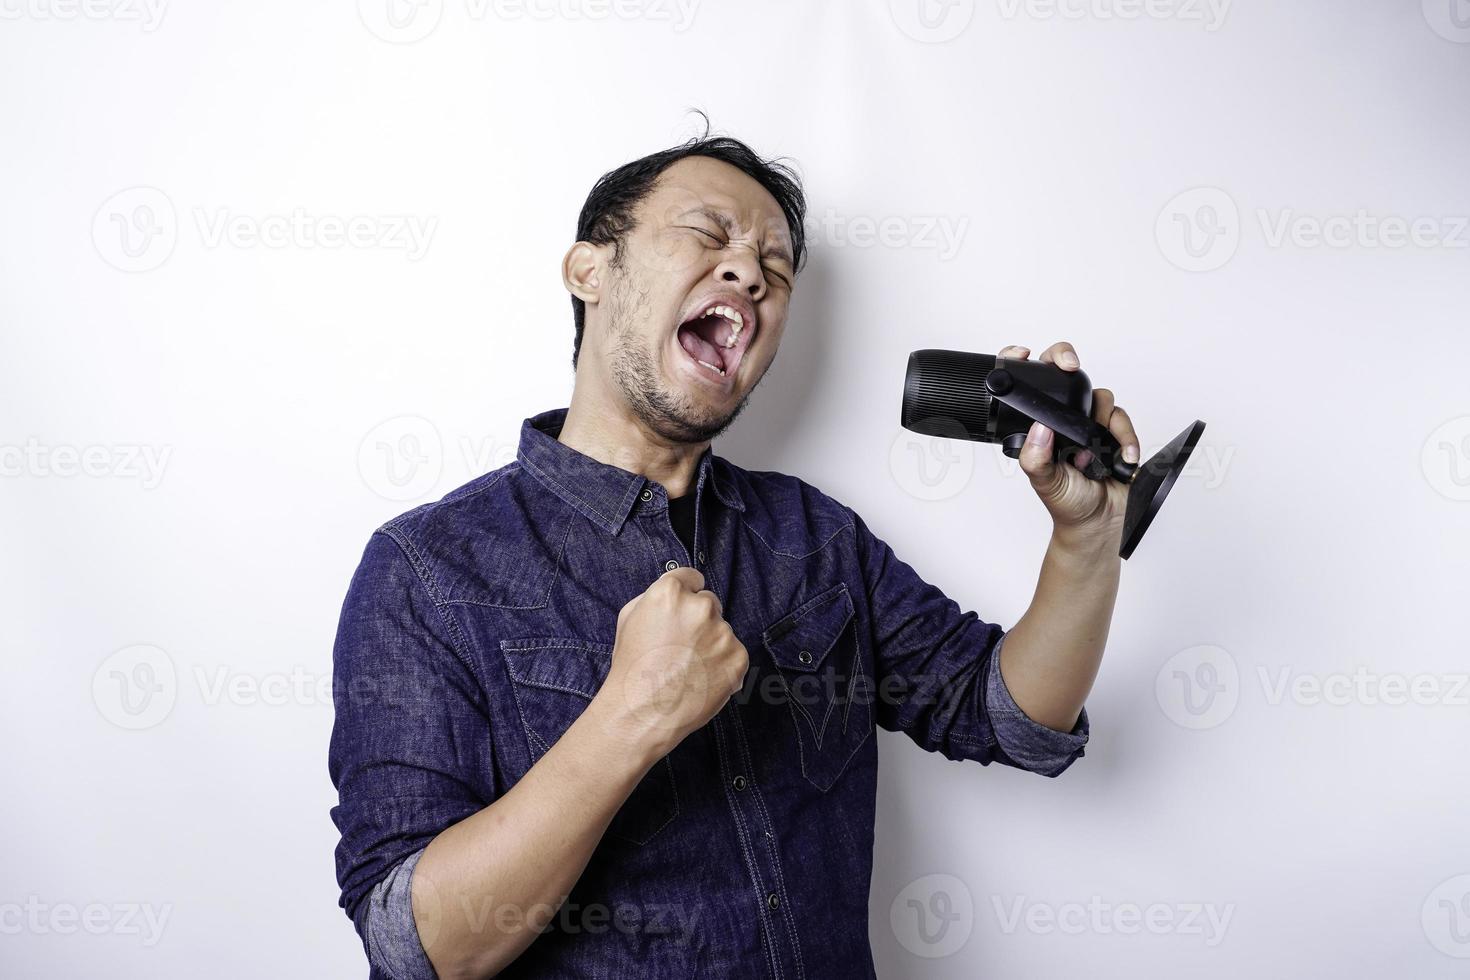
column 770, row 271
column 707, row 234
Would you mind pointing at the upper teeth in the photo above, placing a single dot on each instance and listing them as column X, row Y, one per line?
column 737, row 322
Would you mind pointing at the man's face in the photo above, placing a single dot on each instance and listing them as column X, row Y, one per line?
column 698, row 303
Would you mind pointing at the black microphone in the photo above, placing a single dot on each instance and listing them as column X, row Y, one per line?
column 985, row 398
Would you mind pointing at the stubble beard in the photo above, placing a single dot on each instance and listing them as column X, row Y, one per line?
column 665, row 410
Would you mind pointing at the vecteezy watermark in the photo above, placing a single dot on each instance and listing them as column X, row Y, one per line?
column 1210, row 13
column 672, row 921
column 136, row 687
column 1445, row 459
column 1450, row 19
column 403, row 458
column 940, row 233
column 930, row 468
column 1363, row 686
column 400, row 21
column 1201, row 229
column 1362, row 229
column 932, row 21
column 1199, row 687
column 147, row 14
column 39, row 918
column 137, row 229
column 1206, row 920
column 1445, row 917
column 933, row 916
column 410, row 21
column 122, row 461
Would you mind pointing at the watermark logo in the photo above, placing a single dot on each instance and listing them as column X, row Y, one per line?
column 1446, row 917
column 942, row 234
column 1361, row 230
column 136, row 229
column 1450, row 19
column 1206, row 920
column 410, row 21
column 933, row 916
column 931, row 468
column 1210, row 13
column 1199, row 687
column 1363, row 687
column 932, row 21
column 122, row 461
column 38, row 918
column 1445, row 459
column 401, row 459
column 147, row 14
column 136, row 687
column 400, row 21
column 1199, row 229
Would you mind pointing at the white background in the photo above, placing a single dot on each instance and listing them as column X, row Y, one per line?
column 294, row 394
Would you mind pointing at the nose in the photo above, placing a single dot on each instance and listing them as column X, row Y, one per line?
column 742, row 267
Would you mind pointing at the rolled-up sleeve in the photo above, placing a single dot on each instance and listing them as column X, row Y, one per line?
column 389, row 934
column 938, row 672
column 410, row 745
column 1030, row 744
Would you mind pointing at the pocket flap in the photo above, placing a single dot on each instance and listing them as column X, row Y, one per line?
column 802, row 639
column 556, row 664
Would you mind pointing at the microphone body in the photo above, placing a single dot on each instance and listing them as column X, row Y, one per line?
column 985, row 398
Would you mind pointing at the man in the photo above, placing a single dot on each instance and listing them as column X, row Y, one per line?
column 609, row 710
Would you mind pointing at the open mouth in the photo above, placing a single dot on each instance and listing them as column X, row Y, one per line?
column 716, row 340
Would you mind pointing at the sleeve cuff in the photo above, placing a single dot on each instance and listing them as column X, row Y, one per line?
column 390, row 936
column 1029, row 744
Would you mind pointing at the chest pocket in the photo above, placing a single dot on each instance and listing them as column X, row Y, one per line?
column 820, row 663
column 555, row 679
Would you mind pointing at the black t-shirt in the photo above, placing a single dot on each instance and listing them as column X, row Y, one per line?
column 681, row 515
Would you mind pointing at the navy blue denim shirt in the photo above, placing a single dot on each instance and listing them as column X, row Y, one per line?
column 477, row 628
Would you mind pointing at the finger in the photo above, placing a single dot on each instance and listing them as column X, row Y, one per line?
column 690, row 579
column 1015, row 350
column 1063, row 355
column 1121, row 426
column 1036, row 461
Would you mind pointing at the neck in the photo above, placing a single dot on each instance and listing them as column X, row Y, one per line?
column 604, row 428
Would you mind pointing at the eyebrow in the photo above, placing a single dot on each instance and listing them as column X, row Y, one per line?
column 727, row 225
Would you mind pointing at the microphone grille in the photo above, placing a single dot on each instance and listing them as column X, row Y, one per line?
column 944, row 394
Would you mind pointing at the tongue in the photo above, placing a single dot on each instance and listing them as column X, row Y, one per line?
column 691, row 340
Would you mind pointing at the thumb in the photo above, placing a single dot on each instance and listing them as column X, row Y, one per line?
column 1036, row 461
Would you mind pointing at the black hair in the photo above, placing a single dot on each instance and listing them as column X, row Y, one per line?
column 607, row 214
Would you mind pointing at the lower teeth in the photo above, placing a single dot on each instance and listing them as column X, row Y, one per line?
column 712, row 367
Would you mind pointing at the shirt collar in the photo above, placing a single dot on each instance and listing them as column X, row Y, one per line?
column 602, row 493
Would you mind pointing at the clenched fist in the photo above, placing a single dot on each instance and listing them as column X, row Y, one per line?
column 675, row 661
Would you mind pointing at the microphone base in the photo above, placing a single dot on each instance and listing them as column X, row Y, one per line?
column 1152, row 483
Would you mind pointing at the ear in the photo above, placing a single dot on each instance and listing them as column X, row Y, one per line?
column 581, row 271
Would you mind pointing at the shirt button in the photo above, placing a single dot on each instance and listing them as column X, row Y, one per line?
column 670, row 565
column 773, row 901
column 647, row 494
column 738, row 782
column 701, row 557
column 805, row 656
